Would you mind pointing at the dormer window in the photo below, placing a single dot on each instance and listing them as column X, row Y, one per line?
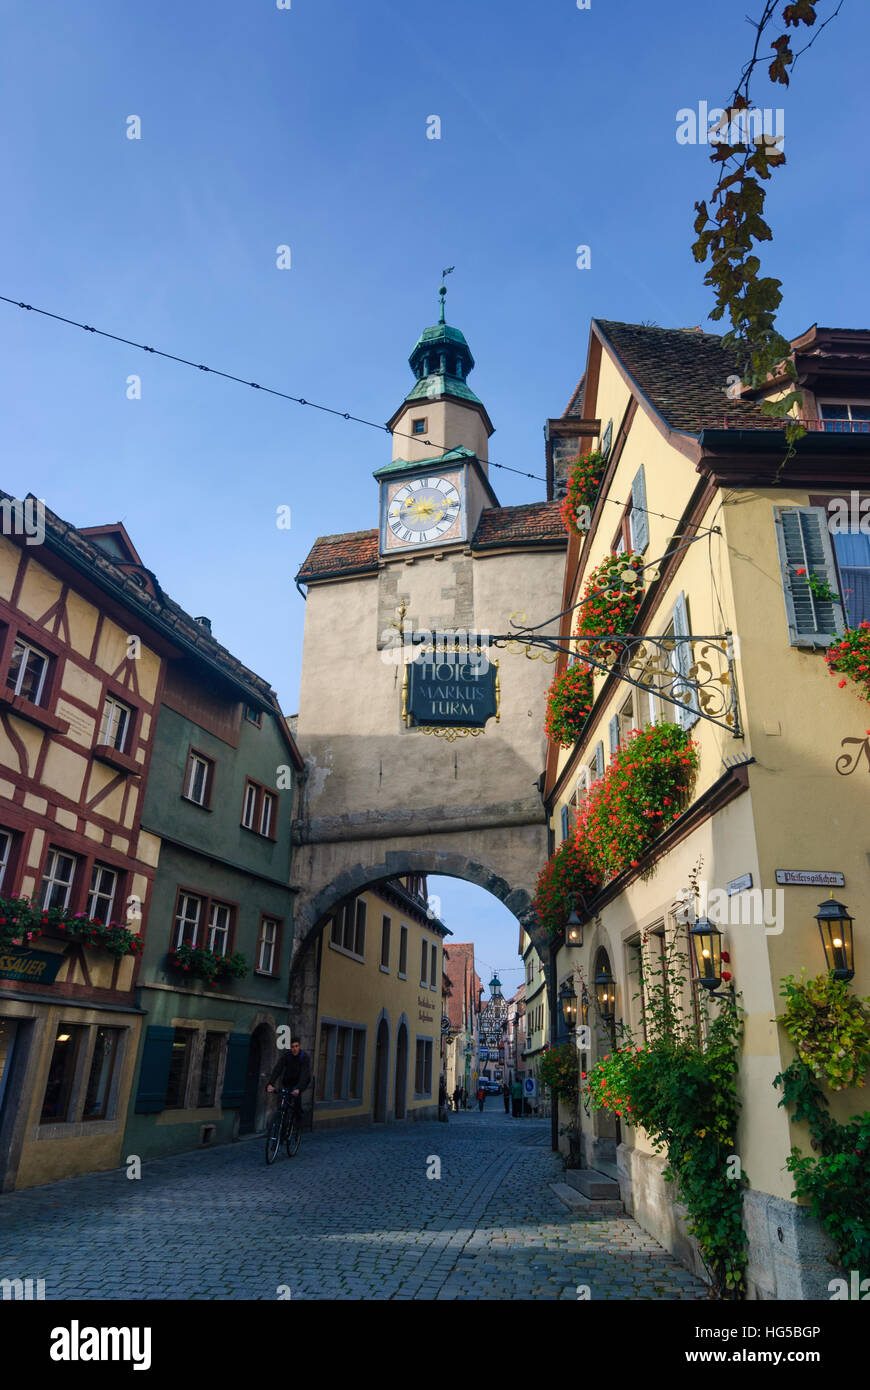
column 845, row 417
column 418, row 426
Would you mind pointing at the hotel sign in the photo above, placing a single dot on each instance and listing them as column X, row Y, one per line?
column 33, row 967
column 451, row 690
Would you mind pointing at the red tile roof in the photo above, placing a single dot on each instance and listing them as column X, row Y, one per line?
column 330, row 556
column 535, row 522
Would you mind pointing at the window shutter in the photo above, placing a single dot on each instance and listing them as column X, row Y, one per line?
column 804, row 543
column 599, row 759
column 154, row 1070
column 606, row 440
column 564, row 822
column 236, row 1070
column 638, row 519
column 613, row 728
column 689, row 713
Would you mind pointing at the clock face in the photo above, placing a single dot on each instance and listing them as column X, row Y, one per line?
column 423, row 509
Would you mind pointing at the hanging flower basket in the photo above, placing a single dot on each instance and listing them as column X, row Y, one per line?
column 563, row 883
column 584, row 481
column 569, row 701
column 611, row 597
column 850, row 657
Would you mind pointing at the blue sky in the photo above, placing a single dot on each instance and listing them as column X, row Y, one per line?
column 307, row 127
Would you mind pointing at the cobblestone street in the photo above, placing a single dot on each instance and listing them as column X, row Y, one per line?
column 353, row 1215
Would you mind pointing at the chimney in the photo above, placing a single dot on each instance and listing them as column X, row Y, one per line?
column 204, row 622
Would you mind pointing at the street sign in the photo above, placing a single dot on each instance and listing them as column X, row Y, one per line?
column 530, row 1086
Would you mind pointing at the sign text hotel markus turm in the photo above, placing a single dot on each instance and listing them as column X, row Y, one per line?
column 451, row 684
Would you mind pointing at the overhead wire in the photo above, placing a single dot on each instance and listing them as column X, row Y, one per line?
column 296, row 400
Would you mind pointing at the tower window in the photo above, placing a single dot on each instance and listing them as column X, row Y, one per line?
column 419, row 426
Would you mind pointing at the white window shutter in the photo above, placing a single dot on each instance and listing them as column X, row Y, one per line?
column 804, row 543
column 613, row 728
column 599, row 759
column 688, row 713
column 638, row 517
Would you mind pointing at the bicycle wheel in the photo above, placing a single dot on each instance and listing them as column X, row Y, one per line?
column 273, row 1140
column 294, row 1136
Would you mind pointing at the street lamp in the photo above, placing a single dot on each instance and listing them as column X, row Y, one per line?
column 605, row 995
column 574, row 930
column 707, row 946
column 568, row 1005
column 835, row 928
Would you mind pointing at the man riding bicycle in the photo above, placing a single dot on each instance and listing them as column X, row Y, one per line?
column 293, row 1071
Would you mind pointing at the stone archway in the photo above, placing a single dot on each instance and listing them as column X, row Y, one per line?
column 317, row 906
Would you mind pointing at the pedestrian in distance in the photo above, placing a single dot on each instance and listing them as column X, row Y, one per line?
column 457, row 1097
column 517, row 1098
column 481, row 1097
column 506, row 1092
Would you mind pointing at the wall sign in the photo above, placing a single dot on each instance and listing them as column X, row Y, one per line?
column 737, row 885
column 811, row 878
column 34, row 967
column 451, row 692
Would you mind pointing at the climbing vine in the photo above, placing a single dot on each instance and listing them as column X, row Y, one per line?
column 729, row 229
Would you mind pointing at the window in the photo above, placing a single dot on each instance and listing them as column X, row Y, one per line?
column 179, row 1065
column 27, row 671
column 852, row 554
column 842, row 417
column 115, row 724
column 267, row 947
column 58, row 880
column 403, row 952
column 219, row 923
column 433, row 966
column 423, row 1067
column 418, row 426
column 267, row 814
column 5, row 851
column 199, row 778
column 101, row 895
column 61, row 1072
column 249, row 806
column 340, row 1063
column 208, row 1073
column 187, row 919
column 804, row 543
column 254, row 716
column 348, row 930
column 385, row 943
column 424, row 962
column 258, row 809
column 106, row 1048
column 638, row 516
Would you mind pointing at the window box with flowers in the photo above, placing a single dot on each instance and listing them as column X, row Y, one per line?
column 22, row 922
column 569, row 701
column 584, row 480
column 850, row 657
column 645, row 788
column 207, row 965
column 563, row 884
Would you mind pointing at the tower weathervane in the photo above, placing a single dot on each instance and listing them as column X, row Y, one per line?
column 443, row 290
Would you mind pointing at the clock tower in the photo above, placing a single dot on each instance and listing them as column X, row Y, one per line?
column 437, row 484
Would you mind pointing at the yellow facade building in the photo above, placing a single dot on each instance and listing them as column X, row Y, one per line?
column 729, row 524
column 379, row 1011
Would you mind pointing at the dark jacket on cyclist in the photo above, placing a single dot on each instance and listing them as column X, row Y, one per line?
column 292, row 1072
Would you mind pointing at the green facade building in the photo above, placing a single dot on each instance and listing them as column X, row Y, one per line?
column 218, row 807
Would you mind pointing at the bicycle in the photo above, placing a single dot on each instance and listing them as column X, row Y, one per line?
column 286, row 1125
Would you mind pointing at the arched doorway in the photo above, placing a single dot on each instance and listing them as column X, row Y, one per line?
column 251, row 1112
column 401, row 1090
column 608, row 1132
column 379, row 1078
